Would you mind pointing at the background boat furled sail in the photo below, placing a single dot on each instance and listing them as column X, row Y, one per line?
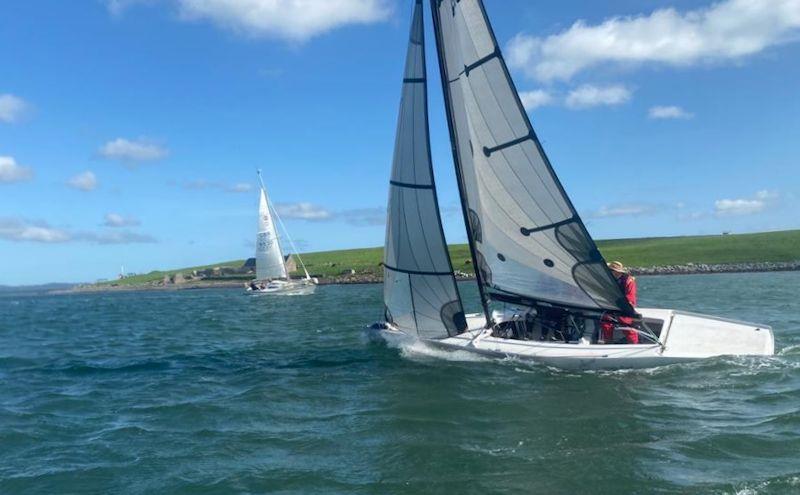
column 528, row 241
column 420, row 291
column 269, row 257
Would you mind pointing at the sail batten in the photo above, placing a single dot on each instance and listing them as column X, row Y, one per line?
column 420, row 293
column 527, row 239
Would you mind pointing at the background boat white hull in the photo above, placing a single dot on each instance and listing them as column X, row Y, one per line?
column 288, row 288
column 684, row 337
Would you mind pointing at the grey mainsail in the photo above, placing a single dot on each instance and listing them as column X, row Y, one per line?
column 528, row 242
column 420, row 290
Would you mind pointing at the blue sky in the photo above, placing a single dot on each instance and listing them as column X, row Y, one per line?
column 130, row 130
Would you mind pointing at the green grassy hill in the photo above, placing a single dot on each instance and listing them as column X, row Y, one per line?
column 741, row 248
column 657, row 251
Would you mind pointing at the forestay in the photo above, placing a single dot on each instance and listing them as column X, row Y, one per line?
column 529, row 243
column 420, row 291
column 269, row 258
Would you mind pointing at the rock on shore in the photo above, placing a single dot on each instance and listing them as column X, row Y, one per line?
column 700, row 268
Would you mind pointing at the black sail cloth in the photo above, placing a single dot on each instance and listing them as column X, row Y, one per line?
column 420, row 290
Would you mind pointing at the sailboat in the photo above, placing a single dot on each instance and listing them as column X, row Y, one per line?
column 272, row 274
column 544, row 286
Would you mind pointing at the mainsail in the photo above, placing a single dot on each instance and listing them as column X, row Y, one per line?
column 420, row 291
column 529, row 244
column 269, row 258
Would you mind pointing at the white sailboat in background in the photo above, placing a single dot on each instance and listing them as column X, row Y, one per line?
column 544, row 285
column 272, row 274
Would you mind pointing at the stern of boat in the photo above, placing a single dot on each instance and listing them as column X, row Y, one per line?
column 692, row 335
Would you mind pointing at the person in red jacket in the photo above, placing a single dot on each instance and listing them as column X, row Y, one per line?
column 628, row 285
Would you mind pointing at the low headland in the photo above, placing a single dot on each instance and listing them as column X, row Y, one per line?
column 728, row 253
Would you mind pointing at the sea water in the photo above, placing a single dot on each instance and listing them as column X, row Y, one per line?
column 216, row 391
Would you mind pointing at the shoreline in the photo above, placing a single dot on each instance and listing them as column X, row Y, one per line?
column 371, row 278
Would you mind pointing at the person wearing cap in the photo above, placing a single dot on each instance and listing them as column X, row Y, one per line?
column 628, row 286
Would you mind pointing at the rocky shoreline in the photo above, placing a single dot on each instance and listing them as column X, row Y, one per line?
column 375, row 278
column 702, row 268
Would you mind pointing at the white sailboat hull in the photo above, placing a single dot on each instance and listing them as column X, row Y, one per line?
column 287, row 288
column 684, row 337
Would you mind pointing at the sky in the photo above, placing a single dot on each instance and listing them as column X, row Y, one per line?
column 131, row 130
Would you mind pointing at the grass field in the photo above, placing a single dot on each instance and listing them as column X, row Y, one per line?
column 657, row 251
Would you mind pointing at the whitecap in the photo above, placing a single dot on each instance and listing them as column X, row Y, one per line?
column 415, row 349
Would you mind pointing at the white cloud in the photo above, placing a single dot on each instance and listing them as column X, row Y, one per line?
column 294, row 20
column 728, row 30
column 199, row 184
column 19, row 230
column 765, row 195
column 202, row 184
column 117, row 220
column 303, row 211
column 10, row 171
column 669, row 112
column 12, row 229
column 118, row 237
column 84, row 181
column 12, row 108
column 624, row 210
column 131, row 152
column 745, row 206
column 536, row 98
column 587, row 96
column 117, row 7
column 364, row 217
column 241, row 187
column 738, row 206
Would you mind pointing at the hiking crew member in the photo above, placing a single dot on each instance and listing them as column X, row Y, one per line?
column 628, row 285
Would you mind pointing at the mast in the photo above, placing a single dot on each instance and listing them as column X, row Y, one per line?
column 457, row 160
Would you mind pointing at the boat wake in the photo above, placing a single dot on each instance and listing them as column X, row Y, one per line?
column 419, row 350
column 414, row 349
